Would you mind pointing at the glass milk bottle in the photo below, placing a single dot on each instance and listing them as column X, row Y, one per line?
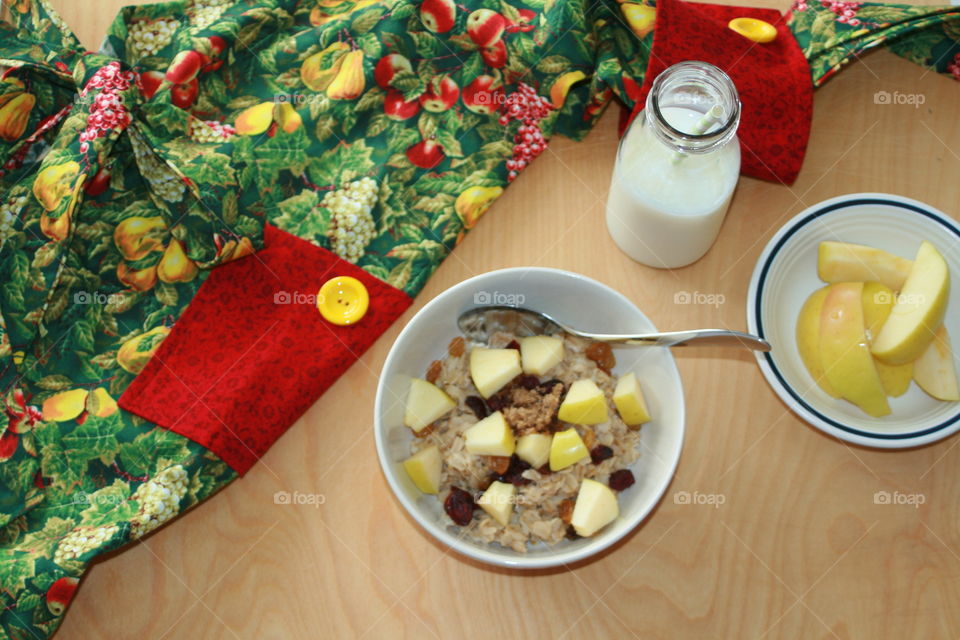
column 677, row 167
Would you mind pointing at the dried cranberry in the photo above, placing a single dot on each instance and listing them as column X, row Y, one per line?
column 514, row 473
column 600, row 453
column 622, row 479
column 478, row 407
column 495, row 403
column 572, row 533
column 513, row 344
column 459, row 506
column 527, row 381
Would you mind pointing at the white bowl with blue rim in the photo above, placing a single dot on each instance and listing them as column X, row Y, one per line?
column 786, row 274
column 581, row 302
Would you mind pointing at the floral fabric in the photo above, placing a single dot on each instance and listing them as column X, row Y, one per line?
column 379, row 131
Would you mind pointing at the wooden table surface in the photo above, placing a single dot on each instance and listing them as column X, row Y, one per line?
column 798, row 549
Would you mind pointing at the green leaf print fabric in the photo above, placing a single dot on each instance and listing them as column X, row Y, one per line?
column 378, row 130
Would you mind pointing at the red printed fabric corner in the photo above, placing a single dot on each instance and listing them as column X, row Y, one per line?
column 773, row 79
column 255, row 320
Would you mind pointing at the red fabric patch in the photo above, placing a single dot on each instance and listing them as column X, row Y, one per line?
column 239, row 368
column 773, row 80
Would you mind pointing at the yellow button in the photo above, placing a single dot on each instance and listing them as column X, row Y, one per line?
column 753, row 29
column 343, row 300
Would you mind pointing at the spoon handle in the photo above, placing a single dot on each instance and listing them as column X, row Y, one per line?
column 716, row 337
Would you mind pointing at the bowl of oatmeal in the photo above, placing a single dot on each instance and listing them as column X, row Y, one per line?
column 528, row 450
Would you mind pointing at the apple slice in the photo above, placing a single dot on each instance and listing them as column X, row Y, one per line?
column 844, row 352
column 498, row 501
column 492, row 436
column 534, row 448
column 846, row 262
column 628, row 398
column 491, row 369
column 934, row 370
column 596, row 507
column 539, row 354
column 918, row 311
column 566, row 449
column 878, row 300
column 808, row 339
column 583, row 404
column 426, row 403
column 424, row 469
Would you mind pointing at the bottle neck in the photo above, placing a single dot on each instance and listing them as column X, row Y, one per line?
column 693, row 108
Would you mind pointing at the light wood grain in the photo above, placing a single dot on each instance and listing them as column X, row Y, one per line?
column 798, row 550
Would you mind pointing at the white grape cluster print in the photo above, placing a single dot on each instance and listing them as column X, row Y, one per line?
column 159, row 500
column 351, row 222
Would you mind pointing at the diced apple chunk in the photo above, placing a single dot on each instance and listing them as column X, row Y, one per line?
column 567, row 448
column 596, row 507
column 935, row 371
column 424, row 469
column 628, row 398
column 847, row 262
column 491, row 369
column 426, row 403
column 492, row 436
column 534, row 448
column 498, row 501
column 539, row 354
column 584, row 404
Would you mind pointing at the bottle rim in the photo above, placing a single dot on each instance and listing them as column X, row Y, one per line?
column 721, row 82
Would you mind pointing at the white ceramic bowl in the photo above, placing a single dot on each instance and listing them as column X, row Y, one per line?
column 786, row 274
column 581, row 302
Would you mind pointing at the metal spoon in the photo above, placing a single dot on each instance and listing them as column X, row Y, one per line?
column 478, row 323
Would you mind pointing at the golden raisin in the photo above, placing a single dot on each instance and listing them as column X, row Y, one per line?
column 434, row 371
column 456, row 346
column 427, row 430
column 498, row 464
column 566, row 510
column 602, row 354
column 589, row 437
